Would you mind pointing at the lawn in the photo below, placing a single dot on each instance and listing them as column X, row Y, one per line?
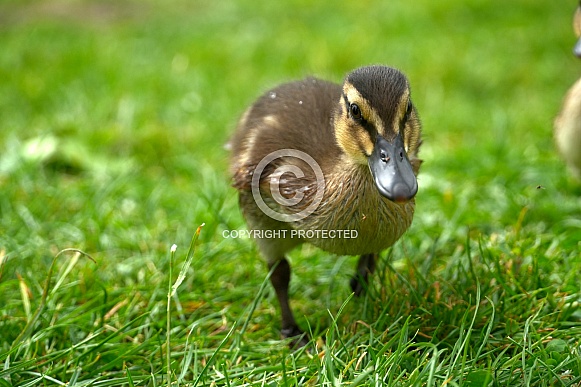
column 113, row 120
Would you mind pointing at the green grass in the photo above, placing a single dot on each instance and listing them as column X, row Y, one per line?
column 113, row 117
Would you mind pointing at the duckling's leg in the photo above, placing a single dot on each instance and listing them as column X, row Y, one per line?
column 280, row 279
column 365, row 267
column 273, row 250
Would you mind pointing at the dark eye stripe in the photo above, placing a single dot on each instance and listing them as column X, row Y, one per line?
column 362, row 121
column 406, row 116
column 408, row 110
column 369, row 128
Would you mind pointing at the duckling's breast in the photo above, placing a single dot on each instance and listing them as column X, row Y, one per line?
column 353, row 218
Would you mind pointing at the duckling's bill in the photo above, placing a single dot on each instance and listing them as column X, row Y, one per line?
column 391, row 169
column 577, row 48
column 577, row 29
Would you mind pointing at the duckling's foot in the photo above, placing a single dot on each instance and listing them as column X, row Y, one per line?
column 280, row 278
column 357, row 284
column 365, row 267
column 298, row 338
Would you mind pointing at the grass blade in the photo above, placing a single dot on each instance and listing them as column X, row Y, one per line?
column 27, row 331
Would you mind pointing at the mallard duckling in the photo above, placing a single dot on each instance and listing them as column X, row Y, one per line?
column 332, row 165
column 568, row 123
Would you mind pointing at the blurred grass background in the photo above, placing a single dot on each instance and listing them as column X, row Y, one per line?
column 113, row 117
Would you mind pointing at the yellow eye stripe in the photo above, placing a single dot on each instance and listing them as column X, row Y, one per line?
column 367, row 112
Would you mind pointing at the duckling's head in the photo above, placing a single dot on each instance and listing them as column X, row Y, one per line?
column 376, row 124
column 577, row 28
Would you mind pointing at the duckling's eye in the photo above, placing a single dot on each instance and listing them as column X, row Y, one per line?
column 355, row 111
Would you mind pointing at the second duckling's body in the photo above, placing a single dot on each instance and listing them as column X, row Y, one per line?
column 330, row 165
column 568, row 123
column 568, row 130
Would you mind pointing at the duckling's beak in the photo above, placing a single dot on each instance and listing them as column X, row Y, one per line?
column 392, row 171
column 577, row 28
column 577, row 48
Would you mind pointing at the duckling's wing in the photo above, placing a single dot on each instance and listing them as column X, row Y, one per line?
column 284, row 125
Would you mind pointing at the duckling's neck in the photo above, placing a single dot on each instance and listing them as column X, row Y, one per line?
column 352, row 202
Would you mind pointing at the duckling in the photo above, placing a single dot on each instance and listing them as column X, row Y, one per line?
column 568, row 124
column 331, row 165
